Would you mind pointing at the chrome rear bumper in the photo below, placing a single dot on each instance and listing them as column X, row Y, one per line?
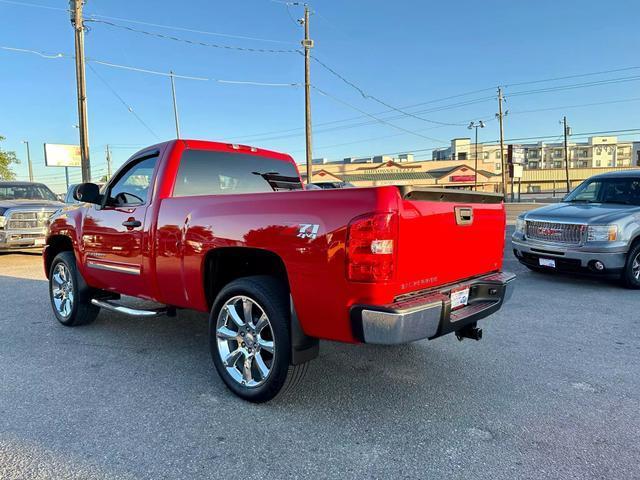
column 429, row 315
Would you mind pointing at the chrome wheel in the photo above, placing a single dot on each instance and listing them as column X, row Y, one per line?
column 635, row 267
column 62, row 290
column 245, row 341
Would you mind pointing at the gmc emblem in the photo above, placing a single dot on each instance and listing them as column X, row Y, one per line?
column 549, row 232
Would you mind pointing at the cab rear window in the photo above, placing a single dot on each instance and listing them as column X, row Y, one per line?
column 204, row 172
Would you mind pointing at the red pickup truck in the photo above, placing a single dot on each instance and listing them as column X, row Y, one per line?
column 229, row 229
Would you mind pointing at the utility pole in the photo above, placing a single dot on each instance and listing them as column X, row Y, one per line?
column 307, row 43
column 566, row 151
column 500, row 116
column 77, row 21
column 108, row 163
column 475, row 125
column 29, row 161
column 175, row 104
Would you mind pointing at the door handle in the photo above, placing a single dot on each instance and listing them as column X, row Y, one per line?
column 132, row 223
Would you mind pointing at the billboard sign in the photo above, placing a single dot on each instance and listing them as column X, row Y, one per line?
column 462, row 178
column 515, row 155
column 58, row 155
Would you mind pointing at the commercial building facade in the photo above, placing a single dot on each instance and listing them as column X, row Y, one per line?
column 454, row 166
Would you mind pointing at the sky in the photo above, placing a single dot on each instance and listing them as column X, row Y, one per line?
column 398, row 53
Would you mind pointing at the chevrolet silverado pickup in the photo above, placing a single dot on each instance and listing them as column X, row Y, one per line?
column 25, row 208
column 230, row 230
column 594, row 230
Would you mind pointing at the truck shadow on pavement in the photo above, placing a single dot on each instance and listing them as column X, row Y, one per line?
column 174, row 353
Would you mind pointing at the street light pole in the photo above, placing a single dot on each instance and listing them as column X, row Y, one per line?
column 29, row 161
column 479, row 124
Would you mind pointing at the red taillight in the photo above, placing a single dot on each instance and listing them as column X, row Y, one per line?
column 371, row 247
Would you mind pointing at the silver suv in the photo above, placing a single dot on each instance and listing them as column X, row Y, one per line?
column 595, row 229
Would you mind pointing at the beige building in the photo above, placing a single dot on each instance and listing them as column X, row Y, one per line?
column 595, row 153
column 453, row 167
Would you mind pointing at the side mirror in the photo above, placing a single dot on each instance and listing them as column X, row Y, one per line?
column 88, row 193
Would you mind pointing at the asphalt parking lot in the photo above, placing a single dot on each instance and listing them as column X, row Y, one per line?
column 552, row 391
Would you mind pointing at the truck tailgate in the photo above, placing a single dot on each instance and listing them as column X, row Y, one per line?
column 446, row 236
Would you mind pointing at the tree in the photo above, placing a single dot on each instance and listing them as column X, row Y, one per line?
column 6, row 159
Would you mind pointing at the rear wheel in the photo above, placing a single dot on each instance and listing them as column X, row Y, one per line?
column 250, row 339
column 631, row 273
column 69, row 293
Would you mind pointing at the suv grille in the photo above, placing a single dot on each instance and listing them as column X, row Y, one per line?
column 566, row 233
column 26, row 220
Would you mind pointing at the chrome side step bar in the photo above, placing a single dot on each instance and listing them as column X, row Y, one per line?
column 132, row 312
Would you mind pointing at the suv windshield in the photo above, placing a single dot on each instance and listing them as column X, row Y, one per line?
column 624, row 190
column 26, row 192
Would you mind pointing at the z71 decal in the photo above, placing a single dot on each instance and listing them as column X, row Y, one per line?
column 308, row 230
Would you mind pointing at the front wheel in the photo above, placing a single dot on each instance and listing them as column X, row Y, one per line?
column 69, row 293
column 250, row 339
column 631, row 273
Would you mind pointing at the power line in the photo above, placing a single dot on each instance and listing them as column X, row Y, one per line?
column 262, row 137
column 375, row 99
column 566, row 77
column 126, row 105
column 185, row 29
column 378, row 119
column 576, row 85
column 190, row 42
column 36, row 5
column 624, row 100
column 152, row 72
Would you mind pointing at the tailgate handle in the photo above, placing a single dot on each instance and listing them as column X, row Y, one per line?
column 464, row 215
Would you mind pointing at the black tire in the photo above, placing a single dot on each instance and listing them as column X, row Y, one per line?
column 628, row 275
column 272, row 297
column 82, row 312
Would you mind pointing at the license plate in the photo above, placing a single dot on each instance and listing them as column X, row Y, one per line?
column 38, row 242
column 459, row 298
column 547, row 262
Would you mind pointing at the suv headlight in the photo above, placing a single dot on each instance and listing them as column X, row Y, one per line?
column 520, row 225
column 3, row 220
column 602, row 233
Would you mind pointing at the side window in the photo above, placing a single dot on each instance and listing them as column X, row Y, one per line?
column 203, row 172
column 132, row 186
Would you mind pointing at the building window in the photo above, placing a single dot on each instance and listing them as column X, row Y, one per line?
column 485, row 155
column 583, row 164
column 532, row 153
column 533, row 164
column 462, row 156
column 598, row 163
column 557, row 154
column 557, row 164
column 582, row 153
column 498, row 154
column 498, row 166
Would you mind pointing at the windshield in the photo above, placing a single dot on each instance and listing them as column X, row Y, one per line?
column 26, row 192
column 624, row 191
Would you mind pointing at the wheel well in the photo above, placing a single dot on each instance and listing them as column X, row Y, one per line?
column 56, row 244
column 223, row 265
